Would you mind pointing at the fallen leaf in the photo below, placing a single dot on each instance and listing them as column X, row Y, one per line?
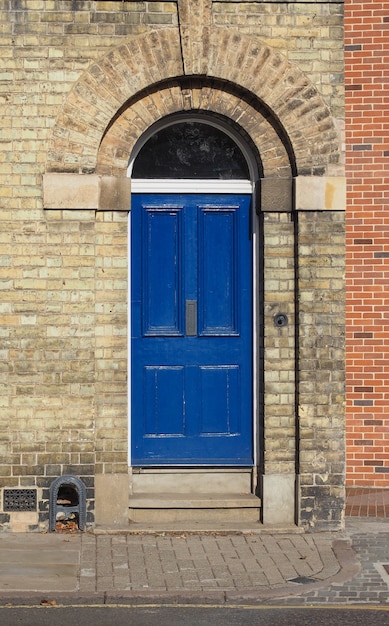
column 48, row 602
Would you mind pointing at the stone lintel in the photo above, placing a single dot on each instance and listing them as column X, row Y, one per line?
column 111, row 193
column 115, row 193
column 275, row 194
column 320, row 193
column 312, row 193
column 86, row 191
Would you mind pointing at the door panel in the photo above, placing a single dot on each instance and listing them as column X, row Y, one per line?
column 191, row 330
column 162, row 272
column 163, row 393
column 219, row 393
column 218, row 249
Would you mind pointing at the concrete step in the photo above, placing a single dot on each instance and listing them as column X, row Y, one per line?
column 173, row 507
column 199, row 528
column 191, row 480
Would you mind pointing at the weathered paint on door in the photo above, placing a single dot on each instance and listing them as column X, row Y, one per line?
column 191, row 330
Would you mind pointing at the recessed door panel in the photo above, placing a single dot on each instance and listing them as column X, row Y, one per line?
column 218, row 282
column 162, row 271
column 164, row 398
column 219, row 392
column 191, row 346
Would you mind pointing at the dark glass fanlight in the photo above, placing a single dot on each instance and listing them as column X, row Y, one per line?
column 191, row 150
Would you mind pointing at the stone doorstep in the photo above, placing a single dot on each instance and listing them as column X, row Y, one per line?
column 195, row 501
column 192, row 527
column 171, row 507
column 198, row 482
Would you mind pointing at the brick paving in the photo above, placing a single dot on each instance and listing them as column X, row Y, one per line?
column 329, row 568
column 350, row 567
column 370, row 541
column 247, row 563
column 367, row 502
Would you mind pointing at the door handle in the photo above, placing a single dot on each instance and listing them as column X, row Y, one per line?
column 191, row 318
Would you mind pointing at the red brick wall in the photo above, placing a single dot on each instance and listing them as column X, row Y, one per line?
column 367, row 167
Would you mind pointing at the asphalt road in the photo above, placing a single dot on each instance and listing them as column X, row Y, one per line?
column 193, row 616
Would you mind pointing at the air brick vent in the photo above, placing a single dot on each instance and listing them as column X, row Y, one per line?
column 19, row 500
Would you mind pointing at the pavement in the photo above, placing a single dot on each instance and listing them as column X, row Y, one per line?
column 208, row 567
column 205, row 566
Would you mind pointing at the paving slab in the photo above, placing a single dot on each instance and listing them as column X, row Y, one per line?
column 39, row 562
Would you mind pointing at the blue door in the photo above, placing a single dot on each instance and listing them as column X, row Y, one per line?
column 191, row 363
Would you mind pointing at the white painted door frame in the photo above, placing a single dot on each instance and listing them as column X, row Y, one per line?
column 194, row 186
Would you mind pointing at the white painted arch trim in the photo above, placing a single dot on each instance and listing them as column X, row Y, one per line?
column 183, row 185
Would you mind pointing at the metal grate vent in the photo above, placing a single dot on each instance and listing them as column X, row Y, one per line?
column 19, row 500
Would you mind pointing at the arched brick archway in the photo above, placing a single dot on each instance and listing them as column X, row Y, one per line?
column 201, row 95
column 267, row 88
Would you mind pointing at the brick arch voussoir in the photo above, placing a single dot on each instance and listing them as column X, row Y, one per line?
column 153, row 58
column 122, row 136
column 285, row 90
column 102, row 90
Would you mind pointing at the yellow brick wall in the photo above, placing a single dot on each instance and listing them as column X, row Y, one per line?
column 63, row 273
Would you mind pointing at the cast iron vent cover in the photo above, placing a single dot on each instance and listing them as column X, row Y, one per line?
column 19, row 500
column 67, row 496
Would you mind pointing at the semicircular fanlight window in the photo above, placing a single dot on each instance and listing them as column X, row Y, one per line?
column 191, row 150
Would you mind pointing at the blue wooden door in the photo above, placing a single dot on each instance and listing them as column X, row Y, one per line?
column 191, row 364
